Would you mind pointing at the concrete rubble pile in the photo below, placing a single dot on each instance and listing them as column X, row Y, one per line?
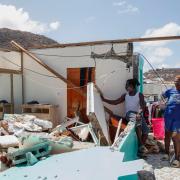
column 17, row 124
column 25, row 139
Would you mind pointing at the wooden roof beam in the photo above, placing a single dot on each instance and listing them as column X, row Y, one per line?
column 128, row 40
column 9, row 71
column 48, row 68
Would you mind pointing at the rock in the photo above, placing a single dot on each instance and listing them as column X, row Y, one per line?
column 146, row 175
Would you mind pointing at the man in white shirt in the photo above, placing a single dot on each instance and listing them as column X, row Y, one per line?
column 134, row 107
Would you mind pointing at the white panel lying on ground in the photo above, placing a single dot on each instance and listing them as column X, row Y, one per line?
column 88, row 164
column 95, row 105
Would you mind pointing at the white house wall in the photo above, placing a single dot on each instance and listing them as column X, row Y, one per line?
column 6, row 61
column 5, row 89
column 111, row 75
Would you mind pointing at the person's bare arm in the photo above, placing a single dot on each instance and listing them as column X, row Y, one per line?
column 142, row 102
column 114, row 102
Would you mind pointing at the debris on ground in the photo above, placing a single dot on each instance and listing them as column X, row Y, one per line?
column 26, row 139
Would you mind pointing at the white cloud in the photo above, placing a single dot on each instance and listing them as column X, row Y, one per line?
column 170, row 29
column 128, row 9
column 158, row 52
column 54, row 25
column 18, row 19
column 120, row 3
column 90, row 19
column 125, row 7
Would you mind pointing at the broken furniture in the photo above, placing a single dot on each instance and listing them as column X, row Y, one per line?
column 19, row 156
column 80, row 129
column 5, row 108
column 42, row 111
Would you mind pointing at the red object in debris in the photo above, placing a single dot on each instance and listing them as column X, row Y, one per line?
column 158, row 128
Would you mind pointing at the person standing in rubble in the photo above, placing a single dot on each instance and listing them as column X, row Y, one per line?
column 134, row 108
column 172, row 121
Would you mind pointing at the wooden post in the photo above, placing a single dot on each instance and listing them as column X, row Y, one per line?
column 22, row 76
column 12, row 92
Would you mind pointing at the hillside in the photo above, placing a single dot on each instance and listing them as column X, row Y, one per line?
column 26, row 39
column 168, row 74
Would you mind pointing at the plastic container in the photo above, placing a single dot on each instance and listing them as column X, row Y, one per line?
column 158, row 128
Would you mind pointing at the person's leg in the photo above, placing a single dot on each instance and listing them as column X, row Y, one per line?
column 138, row 126
column 168, row 133
column 142, row 134
column 144, row 138
column 176, row 142
column 167, row 141
column 145, row 130
column 139, row 135
column 132, row 116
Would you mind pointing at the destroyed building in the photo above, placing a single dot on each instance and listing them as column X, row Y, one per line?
column 50, row 104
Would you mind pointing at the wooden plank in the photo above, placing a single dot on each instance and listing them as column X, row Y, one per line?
column 12, row 92
column 9, row 71
column 130, row 40
column 5, row 50
column 40, row 106
column 47, row 67
column 6, row 108
column 22, row 77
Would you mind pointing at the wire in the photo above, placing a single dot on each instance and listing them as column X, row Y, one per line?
column 97, row 79
column 73, row 56
column 103, row 76
column 156, row 74
column 154, row 70
column 56, row 55
column 27, row 68
column 31, row 69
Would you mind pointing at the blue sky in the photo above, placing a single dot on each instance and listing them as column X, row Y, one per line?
column 88, row 20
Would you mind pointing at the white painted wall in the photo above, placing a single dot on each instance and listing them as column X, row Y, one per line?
column 5, row 89
column 52, row 90
column 8, row 61
column 8, row 58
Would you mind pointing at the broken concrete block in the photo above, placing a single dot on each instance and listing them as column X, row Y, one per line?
column 8, row 141
column 28, row 118
column 65, row 144
column 28, row 141
column 45, row 124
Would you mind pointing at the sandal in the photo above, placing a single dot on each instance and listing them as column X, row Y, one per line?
column 143, row 149
column 175, row 164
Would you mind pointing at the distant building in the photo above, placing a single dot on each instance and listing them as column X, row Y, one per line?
column 168, row 74
column 153, row 89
